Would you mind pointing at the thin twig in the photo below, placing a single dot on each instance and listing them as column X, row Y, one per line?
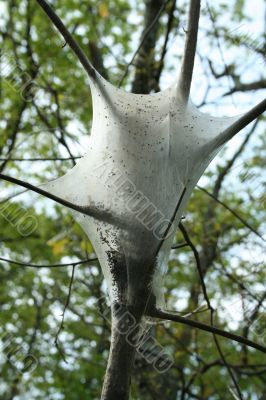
column 198, row 263
column 29, row 265
column 12, row 196
column 228, row 367
column 216, row 33
column 179, row 246
column 246, row 224
column 210, row 308
column 171, row 222
column 40, row 159
column 61, row 327
column 162, row 239
column 146, row 33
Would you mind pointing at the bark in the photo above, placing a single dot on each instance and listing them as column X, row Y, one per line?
column 124, row 340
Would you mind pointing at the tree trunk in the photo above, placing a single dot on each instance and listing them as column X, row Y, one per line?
column 124, row 340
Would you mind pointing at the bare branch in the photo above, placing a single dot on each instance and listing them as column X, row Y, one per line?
column 245, row 223
column 68, row 38
column 24, row 264
column 246, row 87
column 187, row 66
column 87, row 210
column 227, row 366
column 171, row 221
column 61, row 327
column 12, row 196
column 40, row 159
column 207, row 299
column 198, row 263
column 227, row 69
column 179, row 246
column 165, row 315
column 240, row 124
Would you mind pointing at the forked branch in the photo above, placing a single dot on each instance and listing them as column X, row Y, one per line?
column 68, row 38
column 188, row 60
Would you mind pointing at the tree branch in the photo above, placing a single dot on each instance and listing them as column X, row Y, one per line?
column 245, row 223
column 68, row 38
column 171, row 222
column 87, row 210
column 165, row 315
column 228, row 69
column 227, row 366
column 245, row 87
column 240, row 124
column 179, row 246
column 187, row 65
column 206, row 297
column 23, row 264
column 40, row 159
column 61, row 327
column 198, row 263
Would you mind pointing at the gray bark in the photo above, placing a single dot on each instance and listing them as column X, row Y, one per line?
column 124, row 339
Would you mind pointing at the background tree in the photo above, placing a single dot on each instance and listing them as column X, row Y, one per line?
column 223, row 227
